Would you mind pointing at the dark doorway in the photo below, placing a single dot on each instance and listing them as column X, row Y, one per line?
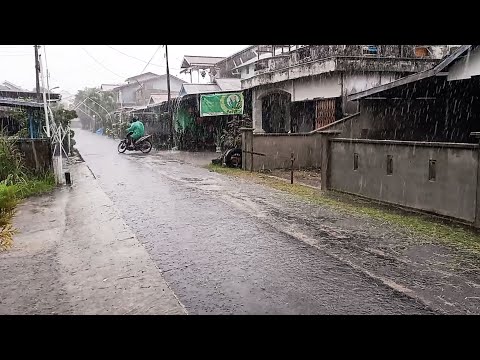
column 276, row 113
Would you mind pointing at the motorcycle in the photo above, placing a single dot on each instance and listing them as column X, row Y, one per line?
column 143, row 144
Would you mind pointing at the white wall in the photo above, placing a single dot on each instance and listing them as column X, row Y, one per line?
column 359, row 82
column 243, row 73
column 466, row 67
column 328, row 86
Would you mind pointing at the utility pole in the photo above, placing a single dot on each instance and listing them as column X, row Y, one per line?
column 37, row 72
column 47, row 122
column 170, row 113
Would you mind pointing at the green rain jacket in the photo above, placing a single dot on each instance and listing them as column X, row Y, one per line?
column 138, row 130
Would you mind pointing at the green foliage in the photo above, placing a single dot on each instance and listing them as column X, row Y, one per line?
column 16, row 184
column 99, row 105
column 8, row 201
column 64, row 117
column 18, row 120
column 231, row 136
column 12, row 169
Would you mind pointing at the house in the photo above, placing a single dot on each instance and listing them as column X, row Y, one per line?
column 138, row 89
column 26, row 100
column 202, row 65
column 109, row 87
column 307, row 88
column 440, row 104
column 229, row 67
column 414, row 142
column 239, row 65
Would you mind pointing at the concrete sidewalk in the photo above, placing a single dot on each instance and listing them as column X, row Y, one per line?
column 75, row 255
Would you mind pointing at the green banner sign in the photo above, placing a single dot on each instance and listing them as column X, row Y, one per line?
column 221, row 104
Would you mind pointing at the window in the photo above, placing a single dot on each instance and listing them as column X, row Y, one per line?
column 370, row 50
column 364, row 134
column 389, row 165
column 247, row 69
column 432, row 171
column 355, row 161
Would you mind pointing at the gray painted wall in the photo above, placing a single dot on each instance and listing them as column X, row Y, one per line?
column 453, row 193
column 278, row 149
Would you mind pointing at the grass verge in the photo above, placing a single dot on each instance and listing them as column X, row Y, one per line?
column 9, row 198
column 420, row 226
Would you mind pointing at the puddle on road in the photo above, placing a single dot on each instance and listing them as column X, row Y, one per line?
column 192, row 179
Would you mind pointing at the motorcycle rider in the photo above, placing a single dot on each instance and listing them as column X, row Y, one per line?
column 135, row 131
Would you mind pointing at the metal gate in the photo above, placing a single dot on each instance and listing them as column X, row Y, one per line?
column 325, row 112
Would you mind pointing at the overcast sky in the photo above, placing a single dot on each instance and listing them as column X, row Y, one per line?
column 74, row 67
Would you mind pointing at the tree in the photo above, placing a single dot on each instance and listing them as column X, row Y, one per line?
column 64, row 117
column 98, row 103
column 14, row 122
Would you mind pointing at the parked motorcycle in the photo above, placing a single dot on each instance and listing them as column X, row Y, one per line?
column 143, row 144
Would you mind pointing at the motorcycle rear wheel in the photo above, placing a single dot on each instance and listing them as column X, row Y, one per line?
column 146, row 147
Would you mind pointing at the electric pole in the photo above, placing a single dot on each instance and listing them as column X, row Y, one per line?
column 37, row 72
column 170, row 113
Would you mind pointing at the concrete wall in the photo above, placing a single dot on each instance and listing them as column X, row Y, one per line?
column 37, row 154
column 452, row 193
column 278, row 149
column 352, row 126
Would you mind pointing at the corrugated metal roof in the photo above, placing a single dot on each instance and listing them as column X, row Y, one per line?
column 229, row 84
column 190, row 89
column 220, row 85
column 7, row 85
column 200, row 60
column 20, row 103
column 148, row 74
column 12, row 94
column 158, row 98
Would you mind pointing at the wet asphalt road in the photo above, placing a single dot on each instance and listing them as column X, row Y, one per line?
column 216, row 248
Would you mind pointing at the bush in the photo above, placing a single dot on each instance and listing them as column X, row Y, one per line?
column 12, row 169
column 15, row 184
column 8, row 201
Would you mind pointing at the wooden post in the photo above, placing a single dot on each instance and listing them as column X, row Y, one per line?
column 37, row 73
column 247, row 142
column 251, row 156
column 169, row 107
column 292, row 159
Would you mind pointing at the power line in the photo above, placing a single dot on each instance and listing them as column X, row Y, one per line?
column 143, row 61
column 158, row 48
column 103, row 66
column 133, row 57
